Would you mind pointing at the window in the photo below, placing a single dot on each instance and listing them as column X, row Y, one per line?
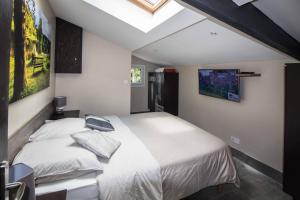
column 150, row 5
column 138, row 76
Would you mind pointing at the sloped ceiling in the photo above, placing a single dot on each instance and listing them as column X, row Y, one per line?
column 110, row 28
column 199, row 45
column 186, row 38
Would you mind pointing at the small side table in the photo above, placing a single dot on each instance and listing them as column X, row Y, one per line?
column 23, row 173
column 66, row 114
column 59, row 195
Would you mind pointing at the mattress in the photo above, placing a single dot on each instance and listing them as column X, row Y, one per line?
column 190, row 158
column 84, row 187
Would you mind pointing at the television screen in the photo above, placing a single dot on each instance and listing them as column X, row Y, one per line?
column 221, row 83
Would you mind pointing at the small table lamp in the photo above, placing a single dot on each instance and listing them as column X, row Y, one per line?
column 60, row 102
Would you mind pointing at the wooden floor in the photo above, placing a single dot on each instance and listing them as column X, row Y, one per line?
column 254, row 186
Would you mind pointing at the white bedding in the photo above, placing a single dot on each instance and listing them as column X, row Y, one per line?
column 132, row 173
column 161, row 157
column 190, row 158
column 81, row 188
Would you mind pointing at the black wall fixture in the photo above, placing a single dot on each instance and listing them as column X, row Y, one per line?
column 68, row 49
column 250, row 20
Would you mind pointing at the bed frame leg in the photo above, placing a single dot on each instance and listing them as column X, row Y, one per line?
column 220, row 188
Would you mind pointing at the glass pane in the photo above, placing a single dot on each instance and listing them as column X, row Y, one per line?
column 153, row 2
column 136, row 75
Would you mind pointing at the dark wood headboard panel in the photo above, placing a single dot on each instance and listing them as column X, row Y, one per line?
column 20, row 138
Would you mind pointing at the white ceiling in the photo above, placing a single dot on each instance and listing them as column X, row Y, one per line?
column 285, row 13
column 135, row 16
column 113, row 29
column 184, row 39
column 196, row 45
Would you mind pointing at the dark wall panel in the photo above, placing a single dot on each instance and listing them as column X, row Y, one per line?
column 291, row 175
column 68, row 49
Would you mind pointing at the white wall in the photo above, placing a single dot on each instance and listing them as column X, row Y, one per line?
column 103, row 87
column 258, row 120
column 139, row 95
column 22, row 111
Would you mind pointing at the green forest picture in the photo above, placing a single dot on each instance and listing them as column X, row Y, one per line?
column 30, row 50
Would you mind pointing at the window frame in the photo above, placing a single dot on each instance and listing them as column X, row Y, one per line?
column 148, row 6
column 142, row 84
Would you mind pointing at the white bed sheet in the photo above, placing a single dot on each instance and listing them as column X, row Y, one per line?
column 81, row 188
column 132, row 173
column 190, row 158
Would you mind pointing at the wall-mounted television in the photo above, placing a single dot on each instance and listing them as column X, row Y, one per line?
column 220, row 83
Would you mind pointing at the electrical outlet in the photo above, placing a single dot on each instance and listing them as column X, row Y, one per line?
column 235, row 140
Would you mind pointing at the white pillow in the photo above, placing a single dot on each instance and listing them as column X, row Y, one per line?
column 59, row 128
column 95, row 141
column 57, row 159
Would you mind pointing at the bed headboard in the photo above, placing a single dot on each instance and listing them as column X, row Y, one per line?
column 20, row 138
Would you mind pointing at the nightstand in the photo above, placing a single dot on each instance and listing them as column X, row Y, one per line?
column 23, row 173
column 59, row 195
column 66, row 114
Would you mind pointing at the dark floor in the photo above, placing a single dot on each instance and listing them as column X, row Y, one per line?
column 254, row 186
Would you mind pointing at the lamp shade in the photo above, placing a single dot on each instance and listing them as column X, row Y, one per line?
column 60, row 101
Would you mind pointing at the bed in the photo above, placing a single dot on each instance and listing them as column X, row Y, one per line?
column 190, row 158
column 161, row 157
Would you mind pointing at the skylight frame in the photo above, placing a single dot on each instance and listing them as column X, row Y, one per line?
column 144, row 4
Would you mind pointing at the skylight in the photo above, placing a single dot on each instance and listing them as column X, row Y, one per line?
column 153, row 2
column 150, row 5
column 130, row 12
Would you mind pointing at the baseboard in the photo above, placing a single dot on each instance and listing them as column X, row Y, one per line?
column 259, row 166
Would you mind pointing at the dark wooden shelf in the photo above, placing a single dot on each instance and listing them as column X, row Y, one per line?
column 66, row 114
column 248, row 74
column 59, row 195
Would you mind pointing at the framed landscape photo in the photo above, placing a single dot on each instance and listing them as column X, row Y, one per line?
column 30, row 50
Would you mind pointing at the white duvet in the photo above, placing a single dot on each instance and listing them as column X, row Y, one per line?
column 132, row 173
column 189, row 157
